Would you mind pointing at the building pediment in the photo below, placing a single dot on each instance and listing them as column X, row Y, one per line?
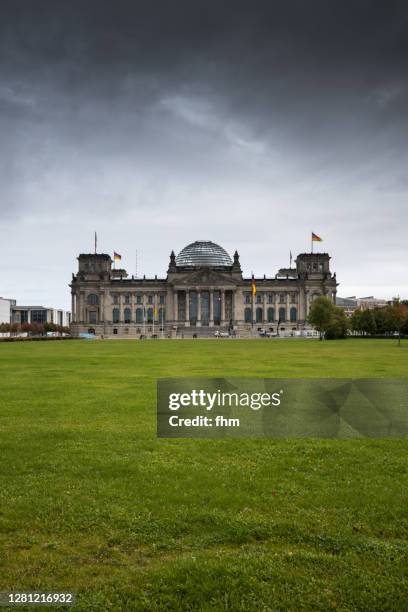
column 202, row 278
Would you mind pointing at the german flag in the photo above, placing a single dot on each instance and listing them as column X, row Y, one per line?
column 316, row 238
column 253, row 285
column 116, row 256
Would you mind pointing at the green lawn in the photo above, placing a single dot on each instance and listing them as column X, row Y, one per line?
column 92, row 501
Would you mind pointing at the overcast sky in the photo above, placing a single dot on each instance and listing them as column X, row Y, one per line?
column 159, row 123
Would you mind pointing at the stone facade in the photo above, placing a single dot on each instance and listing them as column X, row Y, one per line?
column 204, row 290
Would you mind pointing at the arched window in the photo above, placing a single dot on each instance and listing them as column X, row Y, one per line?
column 139, row 315
column 259, row 315
column 293, row 315
column 127, row 315
column 271, row 315
column 282, row 314
column 150, row 315
column 115, row 315
column 93, row 299
column 248, row 315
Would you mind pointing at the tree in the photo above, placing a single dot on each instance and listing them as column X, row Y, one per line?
column 397, row 318
column 380, row 316
column 367, row 322
column 338, row 326
column 321, row 314
column 363, row 321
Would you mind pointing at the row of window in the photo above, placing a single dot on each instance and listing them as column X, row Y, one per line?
column 270, row 315
column 314, row 267
column 141, row 315
column 271, row 298
column 93, row 299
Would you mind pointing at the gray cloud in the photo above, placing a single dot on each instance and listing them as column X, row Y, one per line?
column 157, row 124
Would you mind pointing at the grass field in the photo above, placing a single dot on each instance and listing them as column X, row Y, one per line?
column 92, row 501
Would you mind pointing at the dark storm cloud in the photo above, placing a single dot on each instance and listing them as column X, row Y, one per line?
column 294, row 110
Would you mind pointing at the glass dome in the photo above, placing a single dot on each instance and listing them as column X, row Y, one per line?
column 203, row 253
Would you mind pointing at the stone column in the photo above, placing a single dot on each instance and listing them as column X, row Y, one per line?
column 288, row 306
column 102, row 306
column 120, row 308
column 307, row 303
column 222, row 298
column 175, row 306
column 198, row 308
column 264, row 308
column 187, row 307
column 211, row 323
column 82, row 306
column 73, row 305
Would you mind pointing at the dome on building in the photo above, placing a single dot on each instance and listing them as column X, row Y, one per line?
column 203, row 253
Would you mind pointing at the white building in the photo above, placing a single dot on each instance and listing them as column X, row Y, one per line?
column 5, row 309
column 39, row 314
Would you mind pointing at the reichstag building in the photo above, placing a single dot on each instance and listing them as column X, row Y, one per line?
column 204, row 292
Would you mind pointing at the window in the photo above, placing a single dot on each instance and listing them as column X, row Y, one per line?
column 248, row 315
column 93, row 299
column 294, row 298
column 138, row 299
column 115, row 331
column 282, row 314
column 161, row 299
column 293, row 315
column 139, row 315
column 127, row 299
column 38, row 316
column 259, row 315
column 247, row 298
column 150, row 299
column 150, row 315
column 271, row 314
column 282, row 298
column 116, row 299
column 259, row 298
column 92, row 316
column 115, row 316
column 127, row 315
column 270, row 298
column 24, row 316
column 162, row 315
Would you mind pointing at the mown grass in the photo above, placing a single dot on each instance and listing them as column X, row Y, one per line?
column 92, row 501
